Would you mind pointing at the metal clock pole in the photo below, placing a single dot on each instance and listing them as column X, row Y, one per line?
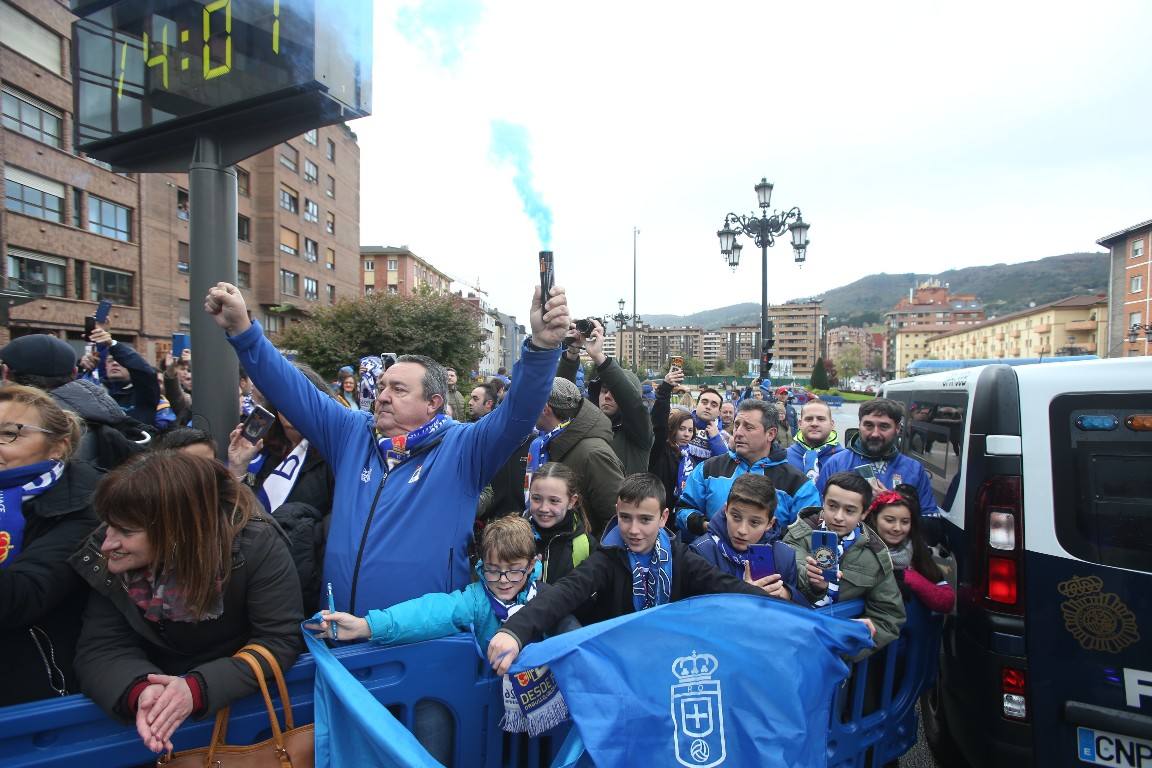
column 212, row 231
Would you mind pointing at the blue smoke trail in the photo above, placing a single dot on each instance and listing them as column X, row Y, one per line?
column 510, row 144
column 440, row 27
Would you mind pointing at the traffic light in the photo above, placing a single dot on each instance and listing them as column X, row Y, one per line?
column 766, row 355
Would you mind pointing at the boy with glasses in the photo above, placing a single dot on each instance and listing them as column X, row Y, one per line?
column 509, row 578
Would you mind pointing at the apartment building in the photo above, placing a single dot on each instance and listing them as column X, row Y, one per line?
column 846, row 344
column 930, row 308
column 396, row 269
column 1129, row 292
column 73, row 232
column 1077, row 325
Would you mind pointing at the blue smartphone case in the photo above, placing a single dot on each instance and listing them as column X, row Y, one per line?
column 761, row 561
column 102, row 311
column 824, row 546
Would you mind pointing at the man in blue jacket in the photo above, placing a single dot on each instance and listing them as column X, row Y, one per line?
column 407, row 482
column 706, row 492
column 816, row 439
column 874, row 451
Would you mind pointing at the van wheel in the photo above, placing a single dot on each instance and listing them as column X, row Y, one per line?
column 940, row 742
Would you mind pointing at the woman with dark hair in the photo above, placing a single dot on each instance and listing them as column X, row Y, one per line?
column 895, row 517
column 672, row 430
column 185, row 570
column 293, row 482
column 46, row 513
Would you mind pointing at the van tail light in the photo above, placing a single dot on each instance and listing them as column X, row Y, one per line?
column 1014, row 698
column 1000, row 509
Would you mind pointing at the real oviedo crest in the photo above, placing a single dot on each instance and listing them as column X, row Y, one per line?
column 698, row 712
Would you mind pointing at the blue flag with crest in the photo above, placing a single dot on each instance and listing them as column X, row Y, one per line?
column 697, row 683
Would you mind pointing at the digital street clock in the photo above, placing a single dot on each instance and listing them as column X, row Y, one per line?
column 150, row 76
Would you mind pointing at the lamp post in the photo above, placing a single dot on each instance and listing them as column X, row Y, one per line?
column 763, row 229
column 621, row 317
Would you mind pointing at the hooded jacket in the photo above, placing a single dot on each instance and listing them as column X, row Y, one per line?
column 866, row 570
column 41, row 597
column 141, row 393
column 664, row 459
column 415, row 520
column 708, row 547
column 631, row 425
column 563, row 546
column 118, row 646
column 706, row 491
column 111, row 435
column 809, row 459
column 892, row 469
column 585, row 447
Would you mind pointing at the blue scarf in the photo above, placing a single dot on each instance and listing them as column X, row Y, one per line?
column 651, row 571
column 533, row 703
column 18, row 485
column 729, row 553
column 397, row 450
column 842, row 545
column 538, row 456
column 684, row 468
column 698, row 447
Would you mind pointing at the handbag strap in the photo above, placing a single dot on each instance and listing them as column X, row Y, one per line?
column 281, row 686
column 277, row 735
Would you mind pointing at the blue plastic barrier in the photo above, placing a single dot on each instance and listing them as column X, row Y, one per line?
column 73, row 731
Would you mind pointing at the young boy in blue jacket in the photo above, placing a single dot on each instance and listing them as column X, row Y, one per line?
column 748, row 518
column 510, row 577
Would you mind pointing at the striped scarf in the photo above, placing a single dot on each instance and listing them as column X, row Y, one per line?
column 18, row 485
column 842, row 545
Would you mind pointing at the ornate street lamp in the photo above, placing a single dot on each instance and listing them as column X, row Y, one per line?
column 622, row 318
column 763, row 229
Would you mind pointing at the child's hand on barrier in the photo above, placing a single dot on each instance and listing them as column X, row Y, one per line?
column 868, row 623
column 502, row 652
column 348, row 627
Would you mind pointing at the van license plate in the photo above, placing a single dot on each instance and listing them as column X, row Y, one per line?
column 1104, row 748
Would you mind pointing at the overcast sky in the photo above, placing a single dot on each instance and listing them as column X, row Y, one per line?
column 914, row 137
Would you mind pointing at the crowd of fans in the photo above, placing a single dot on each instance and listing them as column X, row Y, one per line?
column 134, row 560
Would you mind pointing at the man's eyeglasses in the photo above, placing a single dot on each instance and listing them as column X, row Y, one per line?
column 9, row 432
column 514, row 575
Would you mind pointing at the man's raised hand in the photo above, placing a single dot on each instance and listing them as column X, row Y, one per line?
column 226, row 305
column 550, row 321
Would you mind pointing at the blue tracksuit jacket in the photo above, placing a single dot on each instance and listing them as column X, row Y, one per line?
column 891, row 472
column 403, row 536
column 706, row 491
column 707, row 547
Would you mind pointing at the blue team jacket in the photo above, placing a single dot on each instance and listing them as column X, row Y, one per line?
column 707, row 488
column 405, row 536
column 896, row 470
column 785, row 557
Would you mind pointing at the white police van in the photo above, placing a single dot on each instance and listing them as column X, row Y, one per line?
column 1044, row 477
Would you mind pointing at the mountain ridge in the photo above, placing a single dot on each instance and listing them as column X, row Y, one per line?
column 1002, row 288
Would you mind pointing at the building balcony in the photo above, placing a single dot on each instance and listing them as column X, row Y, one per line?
column 1080, row 325
column 1015, row 334
column 1045, row 328
column 1000, row 336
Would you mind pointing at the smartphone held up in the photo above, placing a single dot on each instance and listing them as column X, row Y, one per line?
column 256, row 424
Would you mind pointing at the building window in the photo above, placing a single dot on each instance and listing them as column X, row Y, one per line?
column 330, row 223
column 183, row 262
column 182, row 204
column 331, row 150
column 110, row 284
column 77, row 207
column 243, row 182
column 289, row 283
column 289, row 200
column 330, row 187
column 289, row 157
column 243, row 229
column 1135, row 318
column 393, row 265
column 29, row 39
column 79, row 270
column 311, row 250
column 369, row 265
column 311, row 210
column 271, row 322
column 1137, row 283
column 311, row 289
column 33, row 195
column 243, row 275
column 184, row 312
column 331, row 293
column 393, row 289
column 109, row 219
column 311, row 172
column 312, row 137
column 369, row 290
column 1138, row 248
column 330, row 258
column 37, row 273
column 31, row 117
column 289, row 242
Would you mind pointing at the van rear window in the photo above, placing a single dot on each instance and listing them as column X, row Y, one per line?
column 1102, row 483
column 933, row 434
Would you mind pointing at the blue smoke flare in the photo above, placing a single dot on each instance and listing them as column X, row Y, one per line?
column 510, row 145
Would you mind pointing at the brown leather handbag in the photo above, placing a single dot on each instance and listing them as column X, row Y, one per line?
column 289, row 748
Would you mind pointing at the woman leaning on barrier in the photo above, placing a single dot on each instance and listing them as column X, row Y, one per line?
column 45, row 514
column 185, row 570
